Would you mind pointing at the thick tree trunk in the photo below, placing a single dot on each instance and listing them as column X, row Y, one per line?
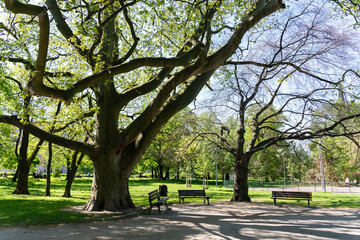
column 110, row 187
column 14, row 179
column 23, row 166
column 23, row 178
column 72, row 169
column 241, row 188
column 112, row 164
column 112, row 169
column 167, row 175
column 227, row 176
column 69, row 181
column 161, row 172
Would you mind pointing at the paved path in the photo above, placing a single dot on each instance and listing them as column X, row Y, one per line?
column 217, row 221
column 355, row 190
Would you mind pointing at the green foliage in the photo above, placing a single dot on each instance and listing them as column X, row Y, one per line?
column 168, row 148
column 340, row 154
column 8, row 158
column 56, row 172
column 265, row 165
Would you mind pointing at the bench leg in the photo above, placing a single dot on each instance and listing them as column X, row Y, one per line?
column 150, row 209
column 274, row 201
column 308, row 202
column 166, row 205
column 159, row 209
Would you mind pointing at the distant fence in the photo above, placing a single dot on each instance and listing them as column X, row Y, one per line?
column 228, row 183
column 304, row 186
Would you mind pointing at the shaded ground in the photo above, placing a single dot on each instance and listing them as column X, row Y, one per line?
column 217, row 221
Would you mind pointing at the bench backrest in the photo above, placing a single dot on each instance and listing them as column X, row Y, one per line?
column 292, row 194
column 191, row 193
column 154, row 195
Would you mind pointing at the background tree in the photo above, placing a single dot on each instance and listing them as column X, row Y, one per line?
column 23, row 141
column 73, row 163
column 276, row 95
column 162, row 151
column 340, row 154
column 299, row 162
column 265, row 165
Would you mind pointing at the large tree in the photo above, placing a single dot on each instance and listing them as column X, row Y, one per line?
column 141, row 62
column 278, row 95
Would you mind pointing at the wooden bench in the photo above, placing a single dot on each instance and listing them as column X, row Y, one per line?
column 291, row 196
column 193, row 194
column 155, row 196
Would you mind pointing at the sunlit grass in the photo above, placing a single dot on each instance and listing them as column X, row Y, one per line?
column 38, row 209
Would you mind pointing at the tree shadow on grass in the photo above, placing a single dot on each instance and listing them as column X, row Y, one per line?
column 24, row 209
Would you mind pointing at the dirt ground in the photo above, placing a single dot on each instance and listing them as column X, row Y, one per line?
column 217, row 221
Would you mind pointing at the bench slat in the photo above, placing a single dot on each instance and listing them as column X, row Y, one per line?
column 193, row 194
column 161, row 201
column 283, row 195
column 292, row 194
column 154, row 195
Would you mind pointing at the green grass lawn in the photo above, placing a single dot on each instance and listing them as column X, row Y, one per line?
column 37, row 209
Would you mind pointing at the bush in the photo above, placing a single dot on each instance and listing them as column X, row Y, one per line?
column 57, row 172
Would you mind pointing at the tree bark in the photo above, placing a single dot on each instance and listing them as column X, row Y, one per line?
column 23, row 178
column 69, row 181
column 110, row 187
column 161, row 171
column 14, row 179
column 23, row 166
column 167, row 175
column 241, row 188
column 48, row 171
column 72, row 169
column 178, row 171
